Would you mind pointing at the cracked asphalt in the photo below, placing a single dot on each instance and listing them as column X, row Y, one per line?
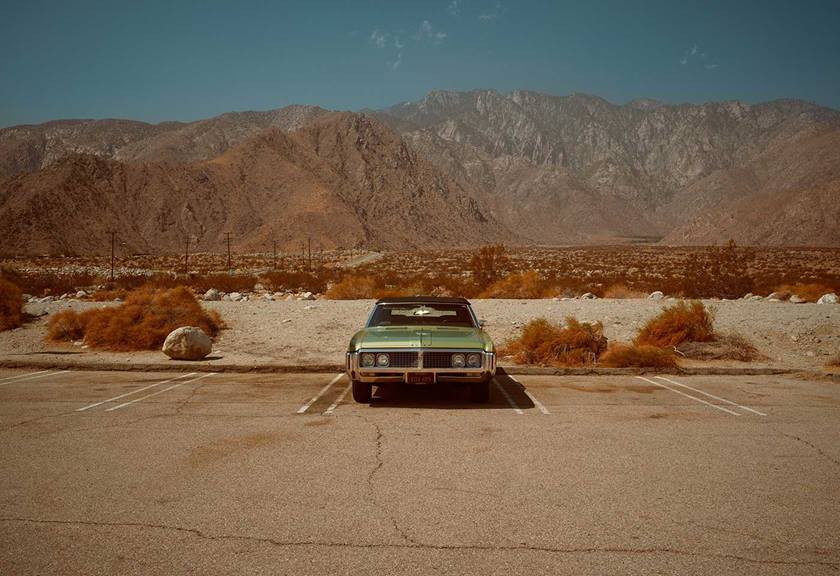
column 151, row 473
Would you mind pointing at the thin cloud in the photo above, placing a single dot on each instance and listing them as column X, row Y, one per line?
column 397, row 43
column 427, row 33
column 378, row 39
column 694, row 54
column 492, row 14
column 454, row 7
column 396, row 63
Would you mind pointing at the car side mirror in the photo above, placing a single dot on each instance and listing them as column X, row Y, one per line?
column 482, row 322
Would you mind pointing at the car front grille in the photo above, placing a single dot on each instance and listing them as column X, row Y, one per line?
column 437, row 359
column 403, row 359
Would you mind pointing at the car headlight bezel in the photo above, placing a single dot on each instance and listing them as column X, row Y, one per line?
column 458, row 360
column 474, row 360
column 368, row 360
column 383, row 360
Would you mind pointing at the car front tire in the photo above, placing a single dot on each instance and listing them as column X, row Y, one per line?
column 362, row 392
column 480, row 391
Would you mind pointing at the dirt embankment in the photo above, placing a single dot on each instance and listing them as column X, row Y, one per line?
column 800, row 336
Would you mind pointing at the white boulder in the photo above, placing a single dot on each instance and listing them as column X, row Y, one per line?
column 796, row 299
column 656, row 295
column 235, row 296
column 187, row 343
column 212, row 295
column 588, row 296
column 307, row 296
column 828, row 299
column 81, row 294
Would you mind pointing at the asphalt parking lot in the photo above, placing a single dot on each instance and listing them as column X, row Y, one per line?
column 155, row 473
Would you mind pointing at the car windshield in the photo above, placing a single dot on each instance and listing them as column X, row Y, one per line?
column 419, row 314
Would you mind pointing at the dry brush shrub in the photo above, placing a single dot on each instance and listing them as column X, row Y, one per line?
column 525, row 285
column 11, row 305
column 620, row 355
column 48, row 283
column 142, row 322
column 810, row 292
column 621, row 290
column 542, row 342
column 354, row 288
column 682, row 322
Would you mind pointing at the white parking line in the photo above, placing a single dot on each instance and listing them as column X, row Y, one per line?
column 95, row 404
column 712, row 396
column 23, row 375
column 533, row 398
column 721, row 408
column 329, row 411
column 28, row 377
column 309, row 404
column 510, row 400
column 124, row 404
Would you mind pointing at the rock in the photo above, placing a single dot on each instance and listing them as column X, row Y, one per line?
column 286, row 321
column 290, row 297
column 656, row 295
column 756, row 298
column 775, row 296
column 810, row 354
column 828, row 299
column 268, row 297
column 187, row 343
column 796, row 299
column 226, row 298
column 235, row 296
column 310, row 307
column 259, row 287
column 64, row 296
column 588, row 296
column 46, row 299
column 278, row 295
column 81, row 294
column 307, row 296
column 212, row 295
column 747, row 296
column 26, row 297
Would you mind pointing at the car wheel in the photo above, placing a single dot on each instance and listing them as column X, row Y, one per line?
column 480, row 391
column 362, row 391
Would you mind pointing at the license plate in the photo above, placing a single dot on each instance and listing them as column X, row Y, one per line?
column 419, row 378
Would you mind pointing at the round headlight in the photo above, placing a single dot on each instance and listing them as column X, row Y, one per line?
column 458, row 360
column 368, row 360
column 474, row 360
column 382, row 360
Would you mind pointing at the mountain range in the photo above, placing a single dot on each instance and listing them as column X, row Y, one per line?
column 453, row 169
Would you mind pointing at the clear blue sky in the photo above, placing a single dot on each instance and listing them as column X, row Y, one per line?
column 182, row 60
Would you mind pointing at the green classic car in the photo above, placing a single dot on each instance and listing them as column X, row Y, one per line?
column 421, row 340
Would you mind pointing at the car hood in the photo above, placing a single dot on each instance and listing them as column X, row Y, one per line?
column 421, row 337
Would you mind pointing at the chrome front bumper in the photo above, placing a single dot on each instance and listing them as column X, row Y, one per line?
column 377, row 375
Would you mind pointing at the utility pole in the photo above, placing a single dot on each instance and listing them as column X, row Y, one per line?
column 227, row 237
column 274, row 242
column 113, row 234
column 187, row 258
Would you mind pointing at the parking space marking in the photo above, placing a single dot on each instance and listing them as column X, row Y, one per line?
column 22, row 376
column 323, row 391
column 329, row 411
column 712, row 396
column 95, row 404
column 721, row 408
column 124, row 404
column 507, row 396
column 28, row 377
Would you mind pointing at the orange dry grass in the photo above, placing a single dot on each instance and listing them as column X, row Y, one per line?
column 808, row 292
column 542, row 342
column 637, row 356
column 522, row 285
column 141, row 323
column 11, row 305
column 682, row 322
column 354, row 288
column 621, row 290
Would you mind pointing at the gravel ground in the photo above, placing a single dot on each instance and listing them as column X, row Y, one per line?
column 316, row 332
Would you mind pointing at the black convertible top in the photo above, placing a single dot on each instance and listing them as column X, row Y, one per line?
column 423, row 300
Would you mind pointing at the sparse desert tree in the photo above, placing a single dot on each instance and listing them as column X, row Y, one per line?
column 724, row 272
column 488, row 265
